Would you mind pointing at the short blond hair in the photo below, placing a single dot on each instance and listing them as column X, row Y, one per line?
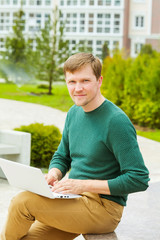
column 79, row 60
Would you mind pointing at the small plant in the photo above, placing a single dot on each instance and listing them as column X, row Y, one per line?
column 44, row 143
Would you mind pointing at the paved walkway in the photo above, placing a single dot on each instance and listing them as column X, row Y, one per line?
column 14, row 114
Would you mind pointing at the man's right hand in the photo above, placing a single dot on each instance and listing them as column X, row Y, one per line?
column 53, row 176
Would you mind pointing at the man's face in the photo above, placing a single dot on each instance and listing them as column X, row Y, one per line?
column 84, row 88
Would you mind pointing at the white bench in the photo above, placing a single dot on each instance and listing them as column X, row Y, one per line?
column 15, row 146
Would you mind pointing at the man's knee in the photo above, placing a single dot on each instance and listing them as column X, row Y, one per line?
column 21, row 203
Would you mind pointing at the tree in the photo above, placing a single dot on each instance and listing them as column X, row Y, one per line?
column 15, row 65
column 113, row 71
column 147, row 49
column 51, row 51
column 105, row 51
column 15, row 44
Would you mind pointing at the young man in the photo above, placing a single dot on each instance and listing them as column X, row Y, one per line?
column 100, row 149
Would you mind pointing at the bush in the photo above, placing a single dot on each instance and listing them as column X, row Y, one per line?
column 44, row 143
column 114, row 70
column 134, row 85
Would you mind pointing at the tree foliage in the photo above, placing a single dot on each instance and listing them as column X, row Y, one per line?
column 134, row 85
column 105, row 51
column 15, row 44
column 51, row 51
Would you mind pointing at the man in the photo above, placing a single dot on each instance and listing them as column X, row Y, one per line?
column 100, row 149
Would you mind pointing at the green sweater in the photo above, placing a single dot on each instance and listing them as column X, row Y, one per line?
column 102, row 144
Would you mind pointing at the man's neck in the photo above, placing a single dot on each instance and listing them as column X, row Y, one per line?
column 91, row 107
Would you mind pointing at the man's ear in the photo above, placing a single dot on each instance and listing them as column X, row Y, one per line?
column 100, row 81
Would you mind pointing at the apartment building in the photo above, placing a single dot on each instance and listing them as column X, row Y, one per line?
column 144, row 25
column 36, row 12
column 94, row 22
column 120, row 23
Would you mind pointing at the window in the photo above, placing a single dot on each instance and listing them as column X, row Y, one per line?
column 31, row 2
column 81, row 29
column 69, row 2
column 90, row 42
column 116, row 30
column 82, row 15
column 61, row 3
column 139, row 21
column 15, row 2
column 137, row 47
column 104, row 2
column 99, row 30
column 100, row 2
column 91, row 15
column 31, row 15
column 23, row 2
column 74, row 29
column 117, row 2
column 91, row 2
column 47, row 15
column 90, row 29
column 82, row 2
column 99, row 15
column 48, row 2
column 99, row 42
column 107, row 30
column 108, row 2
column 3, row 2
column 82, row 22
column 39, row 2
column 90, row 22
column 107, row 15
column 115, row 44
column 99, row 22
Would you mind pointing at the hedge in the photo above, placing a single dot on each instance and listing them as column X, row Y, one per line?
column 134, row 85
column 44, row 143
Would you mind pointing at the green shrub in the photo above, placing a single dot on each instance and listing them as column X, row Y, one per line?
column 134, row 85
column 43, row 86
column 147, row 113
column 44, row 143
column 114, row 70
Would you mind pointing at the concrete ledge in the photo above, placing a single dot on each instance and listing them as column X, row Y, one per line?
column 140, row 220
column 15, row 146
column 106, row 236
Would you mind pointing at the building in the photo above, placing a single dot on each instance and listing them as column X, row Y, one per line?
column 94, row 22
column 120, row 23
column 36, row 12
column 144, row 24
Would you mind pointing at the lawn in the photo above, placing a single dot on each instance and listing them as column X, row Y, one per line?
column 60, row 100
column 154, row 135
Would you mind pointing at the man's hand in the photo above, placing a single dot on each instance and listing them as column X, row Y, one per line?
column 74, row 186
column 53, row 176
column 77, row 186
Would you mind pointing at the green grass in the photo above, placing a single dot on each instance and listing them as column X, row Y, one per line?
column 60, row 98
column 153, row 135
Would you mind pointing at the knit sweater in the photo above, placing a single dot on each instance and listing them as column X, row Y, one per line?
column 102, row 145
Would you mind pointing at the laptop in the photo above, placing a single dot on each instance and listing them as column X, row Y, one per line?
column 30, row 178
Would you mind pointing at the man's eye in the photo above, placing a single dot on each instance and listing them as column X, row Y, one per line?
column 86, row 80
column 71, row 82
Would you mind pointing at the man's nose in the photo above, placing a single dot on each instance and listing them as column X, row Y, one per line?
column 79, row 87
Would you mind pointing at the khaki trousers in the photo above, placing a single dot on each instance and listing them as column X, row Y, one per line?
column 31, row 217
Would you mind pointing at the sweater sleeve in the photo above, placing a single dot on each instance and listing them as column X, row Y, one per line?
column 122, row 141
column 61, row 158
